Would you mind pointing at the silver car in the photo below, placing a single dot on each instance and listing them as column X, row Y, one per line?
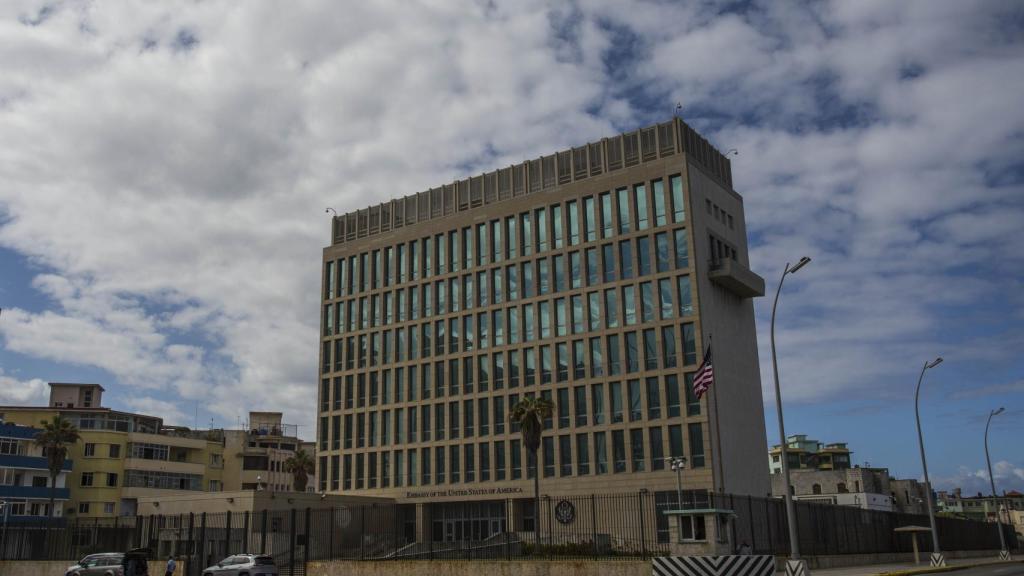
column 108, row 564
column 243, row 565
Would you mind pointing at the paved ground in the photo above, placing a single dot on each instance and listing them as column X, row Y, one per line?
column 995, row 569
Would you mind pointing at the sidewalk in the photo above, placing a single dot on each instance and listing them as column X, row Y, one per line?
column 874, row 569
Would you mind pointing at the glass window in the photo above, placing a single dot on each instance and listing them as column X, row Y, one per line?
column 565, row 455
column 629, row 304
column 661, row 251
column 513, row 325
column 544, row 275
column 665, row 293
column 597, row 402
column 640, row 195
column 545, row 364
column 672, row 395
column 485, row 462
column 590, row 221
column 542, row 229
column 556, row 223
column 467, row 248
column 678, row 205
column 647, row 302
column 658, row 189
column 593, row 270
column 497, row 286
column 626, row 259
column 580, row 403
column 453, row 464
column 682, row 249
column 689, row 345
column 622, row 195
column 577, row 313
column 561, row 326
column 517, row 459
column 527, row 241
column 657, row 450
column 512, row 275
column 692, row 403
column 675, row 441
column 685, row 297
column 511, row 244
column 428, row 256
column 454, row 252
column 482, row 289
column 497, row 247
column 636, row 442
column 635, row 407
column 650, row 350
column 439, row 458
column 562, row 406
column 606, row 215
column 572, row 212
column 615, row 391
column 528, row 285
column 696, row 434
column 414, row 259
column 653, row 399
column 643, row 248
column 582, row 455
column 619, row 450
column 608, row 256
column 594, row 305
column 562, row 360
column 596, row 358
column 576, row 272
column 600, row 453
column 668, row 346
column 442, row 254
column 548, row 449
column 611, row 307
column 559, row 272
column 499, row 460
column 579, row 364
column 528, row 323
column 468, row 451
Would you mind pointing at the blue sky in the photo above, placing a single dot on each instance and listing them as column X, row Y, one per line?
column 164, row 172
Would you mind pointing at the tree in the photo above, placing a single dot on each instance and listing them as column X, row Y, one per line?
column 300, row 465
column 530, row 414
column 57, row 435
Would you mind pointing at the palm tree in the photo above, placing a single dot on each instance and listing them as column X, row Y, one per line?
column 530, row 414
column 301, row 465
column 57, row 434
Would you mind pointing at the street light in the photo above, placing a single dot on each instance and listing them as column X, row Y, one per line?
column 1003, row 552
column 794, row 545
column 937, row 558
column 678, row 463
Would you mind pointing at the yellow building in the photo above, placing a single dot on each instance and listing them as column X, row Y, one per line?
column 124, row 456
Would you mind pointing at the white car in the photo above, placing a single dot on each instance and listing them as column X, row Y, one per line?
column 243, row 565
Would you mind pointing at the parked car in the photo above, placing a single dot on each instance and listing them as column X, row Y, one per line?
column 106, row 564
column 243, row 565
column 138, row 560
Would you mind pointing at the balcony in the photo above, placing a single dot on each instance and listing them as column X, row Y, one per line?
column 736, row 278
column 164, row 466
column 164, row 440
column 29, row 463
column 33, row 492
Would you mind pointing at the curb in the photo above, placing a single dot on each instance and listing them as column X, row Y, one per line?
column 944, row 569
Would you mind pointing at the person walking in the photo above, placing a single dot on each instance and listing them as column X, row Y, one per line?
column 171, row 565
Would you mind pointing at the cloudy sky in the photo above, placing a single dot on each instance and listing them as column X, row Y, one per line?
column 164, row 169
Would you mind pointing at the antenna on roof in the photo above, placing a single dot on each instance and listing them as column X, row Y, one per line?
column 733, row 151
column 678, row 110
column 329, row 209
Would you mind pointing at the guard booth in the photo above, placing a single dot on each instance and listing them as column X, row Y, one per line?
column 701, row 532
column 913, row 531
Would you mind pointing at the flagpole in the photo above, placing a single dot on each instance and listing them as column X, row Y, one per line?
column 718, row 434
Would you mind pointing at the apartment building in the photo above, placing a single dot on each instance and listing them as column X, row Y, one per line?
column 124, row 456
column 804, row 453
column 25, row 483
column 594, row 277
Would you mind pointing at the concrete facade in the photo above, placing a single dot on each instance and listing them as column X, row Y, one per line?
column 25, row 481
column 805, row 453
column 593, row 276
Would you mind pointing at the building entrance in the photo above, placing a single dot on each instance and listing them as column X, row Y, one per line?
column 467, row 521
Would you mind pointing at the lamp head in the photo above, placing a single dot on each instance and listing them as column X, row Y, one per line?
column 934, row 363
column 804, row 261
column 998, row 411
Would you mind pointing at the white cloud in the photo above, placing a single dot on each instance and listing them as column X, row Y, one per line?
column 15, row 392
column 175, row 197
column 168, row 411
column 1008, row 477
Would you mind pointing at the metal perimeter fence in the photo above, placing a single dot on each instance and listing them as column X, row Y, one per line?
column 613, row 526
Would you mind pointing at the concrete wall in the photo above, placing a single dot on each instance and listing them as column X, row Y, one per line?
column 477, row 567
column 57, row 567
column 730, row 321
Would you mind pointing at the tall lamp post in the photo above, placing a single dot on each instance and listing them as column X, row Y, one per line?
column 794, row 566
column 1004, row 554
column 937, row 559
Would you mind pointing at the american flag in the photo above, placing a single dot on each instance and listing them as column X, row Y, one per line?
column 705, row 375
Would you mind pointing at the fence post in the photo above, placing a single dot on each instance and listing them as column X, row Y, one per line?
column 201, row 545
column 593, row 524
column 291, row 544
column 362, row 530
column 330, row 544
column 191, row 542
column 263, row 533
column 227, row 536
column 308, row 540
column 246, row 543
column 643, row 532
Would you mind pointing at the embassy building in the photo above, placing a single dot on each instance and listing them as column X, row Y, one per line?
column 593, row 277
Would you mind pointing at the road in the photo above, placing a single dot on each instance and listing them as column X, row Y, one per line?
column 1014, row 569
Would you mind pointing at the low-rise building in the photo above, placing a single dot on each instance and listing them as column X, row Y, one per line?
column 868, row 488
column 123, row 456
column 25, row 483
column 980, row 507
column 803, row 453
